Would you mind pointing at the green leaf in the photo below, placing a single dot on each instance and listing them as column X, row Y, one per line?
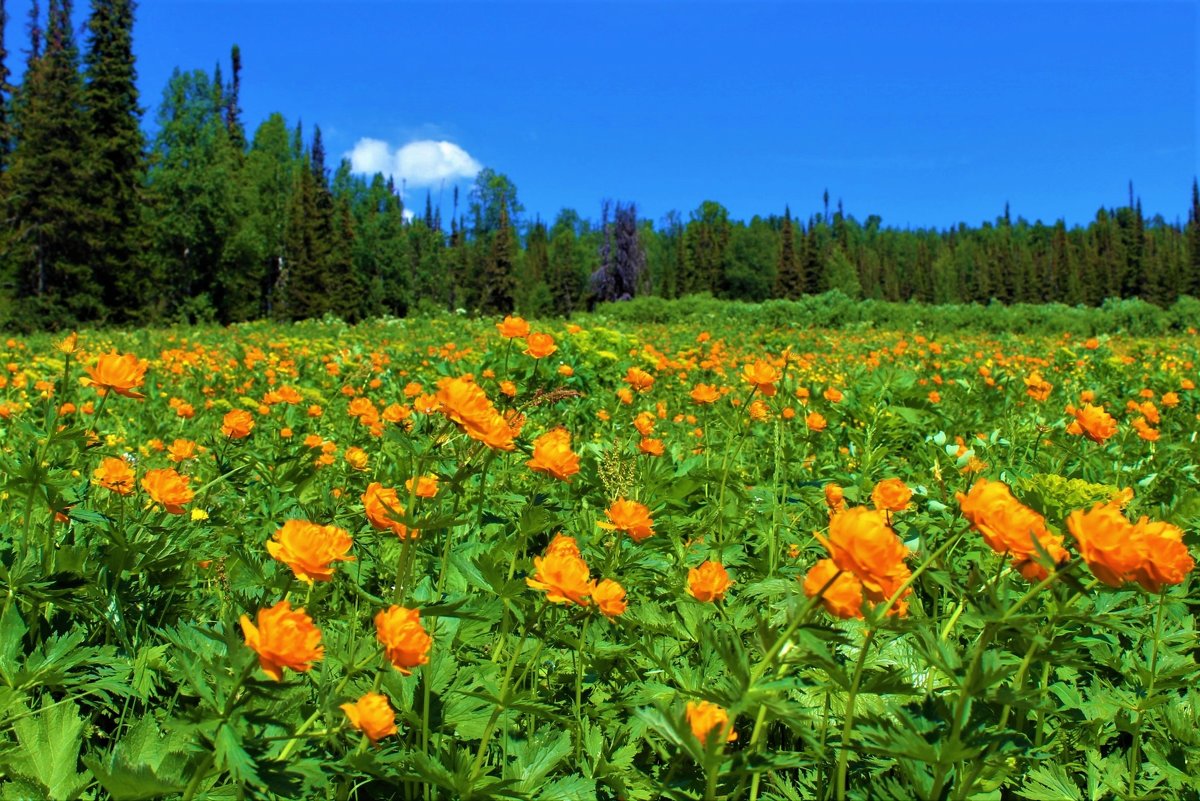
column 143, row 765
column 48, row 750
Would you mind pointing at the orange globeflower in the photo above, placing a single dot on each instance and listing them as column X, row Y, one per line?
column 891, row 495
column 861, row 541
column 310, row 549
column 426, row 486
column 356, row 457
column 843, row 598
column 562, row 573
column 762, row 375
column 465, row 403
column 835, row 498
column 283, row 638
column 1008, row 526
column 513, row 328
column 120, row 373
column 1037, row 387
column 539, row 345
column 833, row 395
column 609, row 597
column 639, row 379
column 815, row 421
column 405, row 641
column 1116, row 551
column 630, row 517
column 563, row 544
column 704, row 394
column 372, row 715
column 651, row 446
column 709, row 582
column 1167, row 558
column 1092, row 422
column 710, row 723
column 553, row 456
column 116, row 475
column 182, row 450
column 168, row 488
column 237, row 424
column 380, row 504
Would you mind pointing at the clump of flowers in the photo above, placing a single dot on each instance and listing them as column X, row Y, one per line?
column 466, row 404
column 1010, row 527
column 1117, row 551
column 863, row 545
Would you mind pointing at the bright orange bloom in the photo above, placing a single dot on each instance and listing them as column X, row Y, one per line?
column 629, row 517
column 405, row 641
column 282, row 639
column 710, row 723
column 704, row 393
column 651, row 446
column 861, row 541
column 356, row 457
column 639, row 379
column 381, row 504
column 644, row 423
column 553, row 456
column 625, row 396
column 168, row 488
column 833, row 395
column 815, row 421
column 182, row 450
column 1037, row 387
column 566, row 370
column 372, row 715
column 1167, row 558
column 562, row 544
column 466, row 404
column 119, row 373
column 310, row 549
column 508, row 389
column 1116, row 551
column 891, row 495
column 843, row 598
column 237, row 424
column 116, row 475
column 609, row 597
column 539, row 345
column 426, row 486
column 762, row 375
column 1092, row 422
column 759, row 411
column 835, row 498
column 563, row 575
column 513, row 328
column 709, row 582
column 1010, row 527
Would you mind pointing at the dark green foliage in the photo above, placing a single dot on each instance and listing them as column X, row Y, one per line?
column 498, row 280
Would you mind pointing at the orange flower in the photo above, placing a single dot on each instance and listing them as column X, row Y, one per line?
column 704, row 394
column 835, row 498
column 815, row 421
column 282, row 639
column 710, row 723
column 562, row 574
column 833, row 395
column 639, row 379
column 513, row 328
column 1092, row 422
column 843, row 598
column 381, row 504
column 182, row 450
column 563, row 544
column 356, row 457
column 891, row 495
column 709, row 582
column 609, row 597
column 861, row 541
column 1010, row 527
column 464, row 403
column 1116, row 551
column 372, row 715
column 119, row 373
column 762, row 375
column 1167, row 558
column 405, row 641
column 426, row 486
column 539, row 345
column 116, row 475
column 168, row 488
column 651, row 447
column 630, row 517
column 237, row 424
column 553, row 456
column 310, row 549
column 1037, row 387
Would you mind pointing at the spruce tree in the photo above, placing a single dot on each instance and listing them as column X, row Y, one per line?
column 498, row 275
column 233, row 112
column 789, row 283
column 116, row 156
column 5, row 97
column 1191, row 285
column 49, row 239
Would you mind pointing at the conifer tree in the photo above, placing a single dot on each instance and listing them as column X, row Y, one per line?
column 5, row 98
column 233, row 111
column 1191, row 284
column 498, row 275
column 115, row 154
column 789, row 283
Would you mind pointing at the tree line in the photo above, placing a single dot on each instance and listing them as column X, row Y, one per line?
column 201, row 221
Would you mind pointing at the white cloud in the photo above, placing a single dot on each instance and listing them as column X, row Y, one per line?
column 425, row 162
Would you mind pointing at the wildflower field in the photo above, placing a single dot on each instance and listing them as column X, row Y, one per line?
column 491, row 559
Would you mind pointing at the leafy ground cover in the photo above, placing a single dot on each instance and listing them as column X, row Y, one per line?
column 470, row 559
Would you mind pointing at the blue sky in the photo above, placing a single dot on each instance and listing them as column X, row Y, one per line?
column 925, row 113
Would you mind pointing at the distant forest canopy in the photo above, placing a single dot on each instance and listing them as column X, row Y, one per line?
column 202, row 222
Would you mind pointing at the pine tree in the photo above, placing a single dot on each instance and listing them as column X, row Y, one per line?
column 233, row 111
column 49, row 238
column 789, row 282
column 115, row 152
column 5, row 97
column 498, row 278
column 309, row 241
